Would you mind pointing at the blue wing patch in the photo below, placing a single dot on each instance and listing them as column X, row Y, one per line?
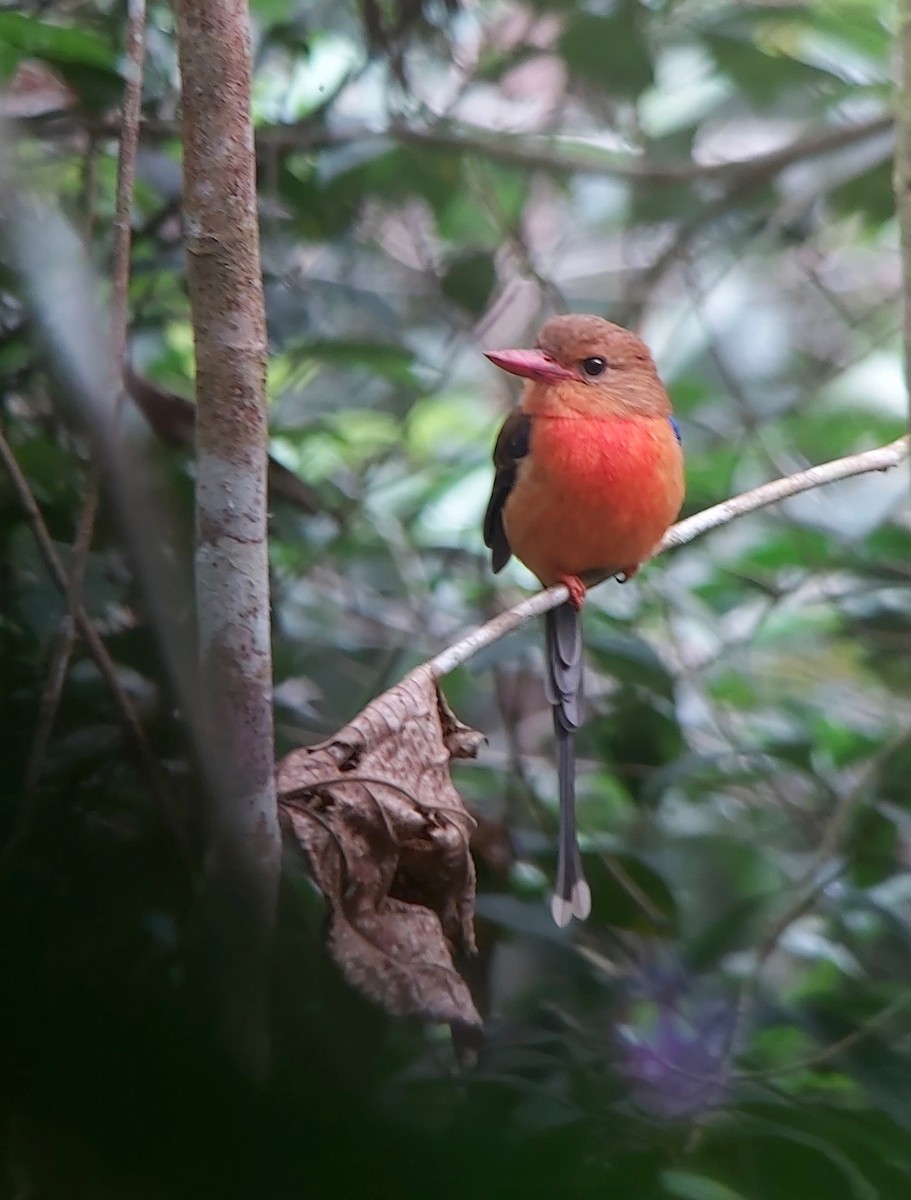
column 675, row 425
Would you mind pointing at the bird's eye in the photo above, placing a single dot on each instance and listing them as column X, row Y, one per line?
column 594, row 366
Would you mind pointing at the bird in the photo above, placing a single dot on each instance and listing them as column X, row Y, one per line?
column 588, row 477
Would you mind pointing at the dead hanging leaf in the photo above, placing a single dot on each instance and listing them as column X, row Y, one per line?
column 387, row 834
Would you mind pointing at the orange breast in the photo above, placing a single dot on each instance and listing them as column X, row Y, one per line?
column 594, row 496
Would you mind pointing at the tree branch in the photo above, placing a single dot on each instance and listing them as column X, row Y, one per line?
column 881, row 459
column 529, row 151
column 538, row 153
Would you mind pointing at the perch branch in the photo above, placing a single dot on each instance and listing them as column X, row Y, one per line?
column 883, row 458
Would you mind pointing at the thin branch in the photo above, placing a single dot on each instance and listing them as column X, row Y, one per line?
column 881, row 459
column 527, row 151
column 66, row 633
column 864, row 1029
column 131, row 112
column 595, row 161
column 60, row 656
column 87, row 631
column 89, row 188
column 813, row 882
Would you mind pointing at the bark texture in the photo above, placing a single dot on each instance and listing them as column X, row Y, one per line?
column 232, row 581
column 902, row 173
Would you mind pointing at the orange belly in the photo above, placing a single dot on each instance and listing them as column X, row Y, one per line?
column 593, row 497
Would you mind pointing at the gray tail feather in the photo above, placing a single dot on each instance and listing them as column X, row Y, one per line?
column 572, row 897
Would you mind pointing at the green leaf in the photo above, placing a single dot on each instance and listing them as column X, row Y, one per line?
column 804, row 1156
column 504, row 191
column 638, row 731
column 687, row 1186
column 841, row 742
column 733, row 930
column 858, row 26
column 400, row 172
column 54, row 43
column 869, row 195
column 765, row 77
column 317, row 212
column 629, row 894
column 609, row 52
column 494, row 64
column 627, row 658
column 834, row 428
column 470, row 279
column 382, row 358
column 273, row 12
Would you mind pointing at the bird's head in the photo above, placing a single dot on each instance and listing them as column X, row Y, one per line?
column 584, row 366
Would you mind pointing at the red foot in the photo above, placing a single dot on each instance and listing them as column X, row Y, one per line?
column 577, row 590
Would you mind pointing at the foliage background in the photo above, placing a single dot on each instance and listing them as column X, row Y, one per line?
column 433, row 180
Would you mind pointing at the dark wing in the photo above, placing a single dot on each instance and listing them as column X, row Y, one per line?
column 511, row 446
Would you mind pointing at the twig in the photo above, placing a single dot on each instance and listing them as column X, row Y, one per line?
column 131, row 112
column 89, row 188
column 812, row 883
column 66, row 634
column 532, row 153
column 834, row 1048
column 881, row 459
column 87, row 631
column 598, row 162
column 60, row 656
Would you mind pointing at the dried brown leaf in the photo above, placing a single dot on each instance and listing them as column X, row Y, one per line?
column 386, row 835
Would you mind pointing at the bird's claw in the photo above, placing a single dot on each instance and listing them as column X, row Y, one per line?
column 577, row 590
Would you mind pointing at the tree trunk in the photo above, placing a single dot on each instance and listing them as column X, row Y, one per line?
column 232, row 581
column 902, row 176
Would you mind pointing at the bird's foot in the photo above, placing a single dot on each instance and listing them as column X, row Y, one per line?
column 576, row 588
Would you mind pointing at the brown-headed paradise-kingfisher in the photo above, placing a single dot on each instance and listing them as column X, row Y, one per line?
column 589, row 476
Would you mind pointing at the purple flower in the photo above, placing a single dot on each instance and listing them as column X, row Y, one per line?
column 674, row 1052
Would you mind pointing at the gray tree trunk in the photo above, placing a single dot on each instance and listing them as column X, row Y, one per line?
column 232, row 580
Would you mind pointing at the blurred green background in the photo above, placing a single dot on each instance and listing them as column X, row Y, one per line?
column 436, row 179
